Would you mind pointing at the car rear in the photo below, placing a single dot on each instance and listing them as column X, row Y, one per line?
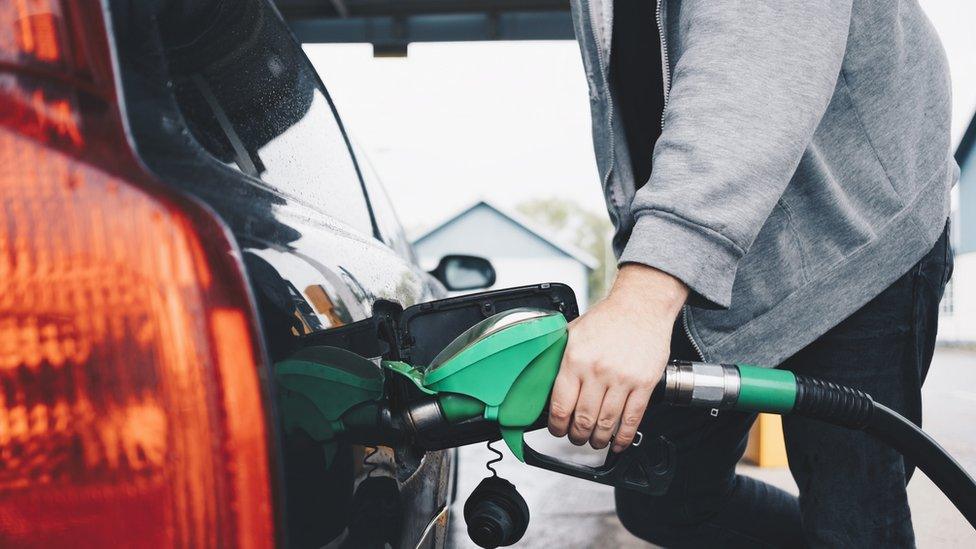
column 132, row 410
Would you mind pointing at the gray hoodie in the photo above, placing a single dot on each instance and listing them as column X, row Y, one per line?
column 803, row 163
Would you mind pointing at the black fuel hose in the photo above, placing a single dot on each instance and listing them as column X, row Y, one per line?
column 749, row 388
column 847, row 407
column 891, row 428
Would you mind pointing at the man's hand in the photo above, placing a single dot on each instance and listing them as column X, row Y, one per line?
column 615, row 356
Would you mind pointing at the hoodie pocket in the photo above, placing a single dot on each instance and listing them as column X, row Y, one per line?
column 772, row 269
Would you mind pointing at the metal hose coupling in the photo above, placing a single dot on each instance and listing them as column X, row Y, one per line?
column 702, row 385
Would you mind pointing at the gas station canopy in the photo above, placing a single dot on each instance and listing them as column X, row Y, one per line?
column 390, row 25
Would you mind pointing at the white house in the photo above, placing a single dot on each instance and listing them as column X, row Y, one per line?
column 957, row 321
column 521, row 251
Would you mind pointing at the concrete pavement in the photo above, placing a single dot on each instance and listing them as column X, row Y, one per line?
column 570, row 513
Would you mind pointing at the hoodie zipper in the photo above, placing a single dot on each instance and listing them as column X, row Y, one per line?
column 665, row 61
column 666, row 68
column 685, row 311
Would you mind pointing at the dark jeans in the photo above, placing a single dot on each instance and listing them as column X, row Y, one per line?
column 852, row 488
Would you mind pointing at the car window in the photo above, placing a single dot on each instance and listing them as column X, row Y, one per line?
column 252, row 100
column 391, row 230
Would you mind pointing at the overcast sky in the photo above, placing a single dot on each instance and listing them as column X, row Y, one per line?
column 509, row 121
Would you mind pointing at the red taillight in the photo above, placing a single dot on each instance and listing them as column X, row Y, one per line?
column 131, row 411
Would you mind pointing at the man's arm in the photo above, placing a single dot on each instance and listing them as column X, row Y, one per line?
column 751, row 81
column 749, row 88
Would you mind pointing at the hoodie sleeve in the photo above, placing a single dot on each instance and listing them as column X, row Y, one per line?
column 751, row 80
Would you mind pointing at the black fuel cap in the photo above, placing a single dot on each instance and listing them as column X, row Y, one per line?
column 496, row 514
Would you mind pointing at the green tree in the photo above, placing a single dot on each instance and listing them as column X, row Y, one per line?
column 583, row 228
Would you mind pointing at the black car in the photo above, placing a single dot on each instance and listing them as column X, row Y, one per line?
column 179, row 207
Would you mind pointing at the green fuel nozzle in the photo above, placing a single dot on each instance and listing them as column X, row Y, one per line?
column 494, row 381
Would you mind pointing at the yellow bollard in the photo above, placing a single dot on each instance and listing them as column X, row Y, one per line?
column 766, row 447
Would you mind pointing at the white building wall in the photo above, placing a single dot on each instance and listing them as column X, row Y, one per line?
column 957, row 323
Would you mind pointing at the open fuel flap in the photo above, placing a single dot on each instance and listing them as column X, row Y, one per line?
column 426, row 329
column 416, row 334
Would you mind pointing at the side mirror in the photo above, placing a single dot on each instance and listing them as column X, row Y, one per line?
column 464, row 272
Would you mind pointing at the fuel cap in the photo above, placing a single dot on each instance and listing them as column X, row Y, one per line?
column 496, row 514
